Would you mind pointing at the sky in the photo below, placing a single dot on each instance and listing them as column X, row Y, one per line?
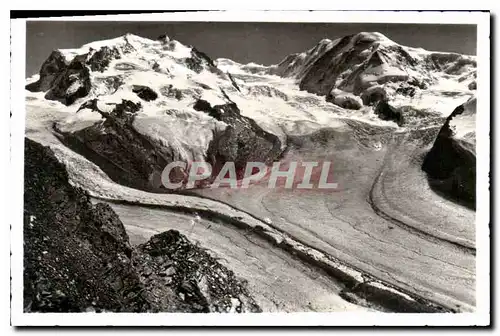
column 259, row 42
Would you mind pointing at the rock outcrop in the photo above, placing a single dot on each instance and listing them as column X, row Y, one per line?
column 451, row 162
column 241, row 142
column 386, row 112
column 144, row 92
column 53, row 66
column 77, row 256
column 345, row 100
column 373, row 95
column 67, row 81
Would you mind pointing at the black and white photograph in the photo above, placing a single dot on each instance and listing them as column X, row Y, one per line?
column 321, row 169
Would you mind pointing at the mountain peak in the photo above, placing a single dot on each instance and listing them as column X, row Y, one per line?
column 371, row 37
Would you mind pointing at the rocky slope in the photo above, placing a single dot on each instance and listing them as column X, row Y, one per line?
column 77, row 257
column 451, row 162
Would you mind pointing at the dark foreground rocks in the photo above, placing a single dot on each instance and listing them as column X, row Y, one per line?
column 77, row 256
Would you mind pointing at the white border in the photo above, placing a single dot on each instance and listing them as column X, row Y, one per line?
column 480, row 317
column 292, row 16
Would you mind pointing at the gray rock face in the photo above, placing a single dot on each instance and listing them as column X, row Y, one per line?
column 323, row 73
column 72, row 83
column 101, row 58
column 241, row 142
column 68, row 82
column 53, row 66
column 451, row 164
column 199, row 61
column 199, row 280
column 77, row 257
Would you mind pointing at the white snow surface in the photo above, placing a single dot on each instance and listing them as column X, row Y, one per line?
column 464, row 125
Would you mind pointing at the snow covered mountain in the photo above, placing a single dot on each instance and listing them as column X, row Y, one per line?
column 390, row 118
column 133, row 104
column 368, row 64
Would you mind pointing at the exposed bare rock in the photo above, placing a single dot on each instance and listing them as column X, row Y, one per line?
column 197, row 278
column 144, row 92
column 72, row 83
column 50, row 70
column 68, row 82
column 100, row 59
column 243, row 141
column 386, row 112
column 451, row 162
column 406, row 90
column 75, row 255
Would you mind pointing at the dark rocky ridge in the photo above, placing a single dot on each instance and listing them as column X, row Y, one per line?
column 72, row 83
column 77, row 257
column 322, row 74
column 50, row 70
column 125, row 155
column 100, row 59
column 241, row 142
column 451, row 166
